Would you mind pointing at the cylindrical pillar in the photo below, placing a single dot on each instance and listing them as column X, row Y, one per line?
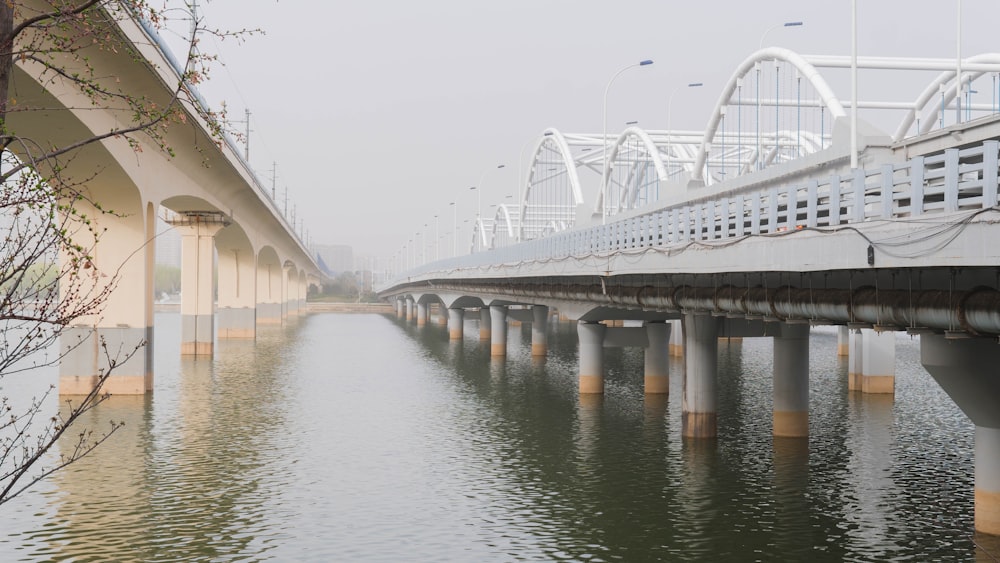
column 656, row 379
column 410, row 313
column 539, row 330
column 791, row 381
column 701, row 347
column 591, row 356
column 498, row 327
column 843, row 341
column 421, row 314
column 878, row 362
column 442, row 315
column 987, row 513
column 400, row 314
column 855, row 357
column 455, row 320
column 676, row 338
column 485, row 324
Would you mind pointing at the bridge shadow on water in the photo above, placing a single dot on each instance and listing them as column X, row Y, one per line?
column 610, row 477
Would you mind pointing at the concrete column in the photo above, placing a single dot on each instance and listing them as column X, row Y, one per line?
column 676, row 339
column 791, row 381
column 126, row 320
column 456, row 318
column 410, row 309
column 269, row 274
column 656, row 379
column 485, row 324
column 400, row 314
column 442, row 314
column 855, row 357
column 236, row 316
column 421, row 314
column 289, row 305
column 498, row 327
column 878, row 362
column 967, row 370
column 591, row 356
column 843, row 341
column 197, row 295
column 701, row 348
column 539, row 330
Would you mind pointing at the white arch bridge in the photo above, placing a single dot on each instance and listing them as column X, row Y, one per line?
column 745, row 230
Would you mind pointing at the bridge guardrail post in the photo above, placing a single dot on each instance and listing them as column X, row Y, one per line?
column 990, row 149
column 917, row 186
column 888, row 190
column 951, row 163
column 858, row 189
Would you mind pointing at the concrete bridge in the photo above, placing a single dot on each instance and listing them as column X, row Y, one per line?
column 206, row 190
column 729, row 232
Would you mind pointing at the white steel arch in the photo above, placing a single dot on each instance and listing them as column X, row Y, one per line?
column 538, row 208
column 635, row 180
column 503, row 233
column 932, row 111
column 806, row 70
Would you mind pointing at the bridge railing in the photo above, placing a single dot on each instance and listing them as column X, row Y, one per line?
column 953, row 181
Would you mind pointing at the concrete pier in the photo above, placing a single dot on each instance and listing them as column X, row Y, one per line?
column 498, row 331
column 485, row 324
column 539, row 331
column 236, row 314
column 400, row 313
column 676, row 338
column 855, row 357
column 410, row 310
column 656, row 377
column 791, row 382
column 591, row 356
column 878, row 362
column 967, row 370
column 421, row 314
column 456, row 318
column 843, row 341
column 197, row 296
column 701, row 346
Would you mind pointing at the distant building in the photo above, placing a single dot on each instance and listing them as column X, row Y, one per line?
column 337, row 257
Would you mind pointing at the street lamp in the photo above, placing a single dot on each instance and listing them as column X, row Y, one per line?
column 604, row 137
column 479, row 188
column 776, row 26
column 670, row 105
column 437, row 238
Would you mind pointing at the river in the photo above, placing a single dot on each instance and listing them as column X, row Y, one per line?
column 363, row 438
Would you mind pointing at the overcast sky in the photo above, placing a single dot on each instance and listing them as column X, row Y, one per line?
column 380, row 113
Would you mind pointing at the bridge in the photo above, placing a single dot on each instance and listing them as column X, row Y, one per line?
column 785, row 213
column 205, row 189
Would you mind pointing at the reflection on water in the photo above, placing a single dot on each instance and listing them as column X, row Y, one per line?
column 363, row 438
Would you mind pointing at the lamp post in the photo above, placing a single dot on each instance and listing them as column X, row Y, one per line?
column 437, row 238
column 776, row 26
column 604, row 137
column 670, row 104
column 479, row 188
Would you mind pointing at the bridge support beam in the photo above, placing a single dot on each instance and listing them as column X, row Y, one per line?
column 421, row 314
column 656, row 377
column 878, row 360
column 676, row 339
column 843, row 341
column 967, row 370
column 855, row 356
column 197, row 232
column 701, row 348
column 791, row 381
column 498, row 334
column 410, row 312
column 400, row 314
column 236, row 316
column 539, row 331
column 456, row 318
column 485, row 324
column 591, row 356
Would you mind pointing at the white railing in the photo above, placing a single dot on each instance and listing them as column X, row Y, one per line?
column 955, row 180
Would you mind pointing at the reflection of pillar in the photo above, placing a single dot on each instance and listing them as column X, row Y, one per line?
column 591, row 356
column 843, row 341
column 197, row 232
column 421, row 314
column 657, row 358
column 967, row 370
column 701, row 346
column 676, row 338
column 791, row 381
column 236, row 316
column 878, row 361
column 498, row 326
column 484, row 323
column 855, row 364
column 539, row 330
column 455, row 320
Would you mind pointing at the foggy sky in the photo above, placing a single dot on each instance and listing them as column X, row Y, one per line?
column 380, row 113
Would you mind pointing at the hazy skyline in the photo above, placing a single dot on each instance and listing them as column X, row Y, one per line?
column 379, row 114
